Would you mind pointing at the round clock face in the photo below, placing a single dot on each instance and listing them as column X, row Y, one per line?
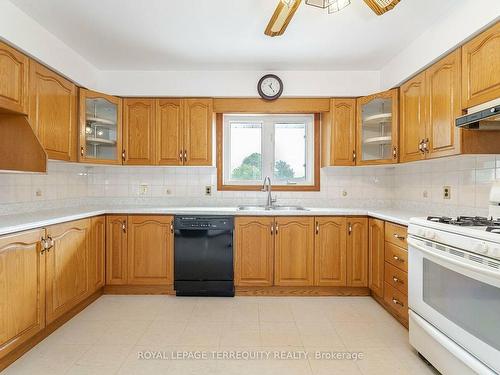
column 270, row 87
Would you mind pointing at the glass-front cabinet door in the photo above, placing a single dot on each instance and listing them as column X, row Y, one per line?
column 377, row 135
column 100, row 128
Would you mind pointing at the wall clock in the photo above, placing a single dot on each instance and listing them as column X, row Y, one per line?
column 270, row 87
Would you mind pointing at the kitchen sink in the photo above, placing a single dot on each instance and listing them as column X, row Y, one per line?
column 272, row 208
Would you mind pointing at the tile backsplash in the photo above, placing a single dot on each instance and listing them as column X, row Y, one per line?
column 416, row 186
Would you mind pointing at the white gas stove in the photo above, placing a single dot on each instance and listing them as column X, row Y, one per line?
column 454, row 290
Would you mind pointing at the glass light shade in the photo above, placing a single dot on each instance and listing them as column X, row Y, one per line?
column 337, row 5
column 320, row 3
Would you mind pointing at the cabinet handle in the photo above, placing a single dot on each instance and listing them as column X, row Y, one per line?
column 426, row 145
column 124, row 227
column 317, row 228
column 185, row 156
column 397, row 259
column 395, row 153
column 421, row 146
column 354, row 155
column 396, row 280
column 50, row 243
column 398, row 237
column 396, row 302
column 82, row 151
column 172, row 226
column 180, row 155
column 123, row 155
column 44, row 245
column 276, row 229
column 349, row 228
column 272, row 229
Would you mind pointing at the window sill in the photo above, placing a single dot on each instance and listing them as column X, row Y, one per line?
column 315, row 187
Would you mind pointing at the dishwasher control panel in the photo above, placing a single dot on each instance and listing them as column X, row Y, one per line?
column 204, row 222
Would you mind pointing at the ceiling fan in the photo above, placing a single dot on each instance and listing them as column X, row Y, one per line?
column 286, row 9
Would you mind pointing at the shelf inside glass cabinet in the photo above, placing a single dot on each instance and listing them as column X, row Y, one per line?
column 101, row 129
column 376, row 129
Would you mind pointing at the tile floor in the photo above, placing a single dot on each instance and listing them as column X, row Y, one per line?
column 112, row 336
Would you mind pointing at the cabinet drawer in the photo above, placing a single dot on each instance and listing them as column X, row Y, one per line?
column 396, row 278
column 396, row 256
column 396, row 234
column 396, row 301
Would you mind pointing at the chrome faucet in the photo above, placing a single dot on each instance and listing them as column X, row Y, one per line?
column 266, row 187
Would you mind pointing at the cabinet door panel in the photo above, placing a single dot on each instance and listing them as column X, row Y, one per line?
column 443, row 105
column 357, row 251
column 413, row 118
column 150, row 250
column 169, row 132
column 481, row 68
column 116, row 250
column 330, row 251
column 139, row 131
column 376, row 234
column 67, row 267
column 254, row 252
column 13, row 80
column 98, row 253
column 294, row 251
column 22, row 288
column 53, row 112
column 341, row 132
column 198, row 123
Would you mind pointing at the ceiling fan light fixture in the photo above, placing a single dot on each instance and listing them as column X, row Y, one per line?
column 337, row 5
column 323, row 4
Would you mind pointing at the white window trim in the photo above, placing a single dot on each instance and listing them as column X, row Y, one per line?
column 267, row 122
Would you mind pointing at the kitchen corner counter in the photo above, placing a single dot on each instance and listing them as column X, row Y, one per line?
column 13, row 223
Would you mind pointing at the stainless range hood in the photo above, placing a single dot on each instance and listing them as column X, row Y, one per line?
column 481, row 119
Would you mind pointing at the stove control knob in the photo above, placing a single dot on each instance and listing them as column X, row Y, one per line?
column 481, row 248
column 495, row 252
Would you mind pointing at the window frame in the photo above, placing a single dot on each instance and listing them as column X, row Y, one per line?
column 251, row 186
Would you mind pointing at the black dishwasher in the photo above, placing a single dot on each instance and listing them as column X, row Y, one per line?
column 203, row 256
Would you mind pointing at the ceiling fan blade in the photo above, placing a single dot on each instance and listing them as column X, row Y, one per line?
column 281, row 18
column 381, row 6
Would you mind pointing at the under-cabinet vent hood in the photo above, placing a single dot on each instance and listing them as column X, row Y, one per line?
column 481, row 119
column 20, row 149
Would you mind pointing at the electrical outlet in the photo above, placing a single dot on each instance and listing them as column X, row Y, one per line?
column 143, row 189
column 425, row 194
column 38, row 193
column 446, row 192
column 208, row 190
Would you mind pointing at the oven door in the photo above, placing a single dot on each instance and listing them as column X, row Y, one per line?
column 459, row 294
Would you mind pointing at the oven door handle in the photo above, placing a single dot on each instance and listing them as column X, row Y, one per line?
column 451, row 260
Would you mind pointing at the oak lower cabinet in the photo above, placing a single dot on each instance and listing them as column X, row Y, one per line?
column 357, row 251
column 22, row 288
column 139, row 250
column 481, row 68
column 53, row 112
column 150, row 250
column 254, row 251
column 67, row 267
column 330, row 251
column 14, row 80
column 294, row 251
column 97, row 253
column 376, row 238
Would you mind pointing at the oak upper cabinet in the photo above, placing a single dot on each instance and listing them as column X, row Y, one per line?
column 481, row 68
column 338, row 133
column 22, row 288
column 150, row 250
column 67, row 267
column 357, row 251
column 97, row 253
column 330, row 251
column 169, row 131
column 294, row 251
column 254, row 251
column 376, row 238
column 100, row 128
column 53, row 112
column 116, row 250
column 198, row 123
column 443, row 106
column 413, row 124
column 14, row 80
column 377, row 132
column 139, row 129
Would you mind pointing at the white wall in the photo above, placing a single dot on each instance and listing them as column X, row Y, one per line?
column 464, row 20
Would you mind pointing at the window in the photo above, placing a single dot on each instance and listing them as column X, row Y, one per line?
column 256, row 146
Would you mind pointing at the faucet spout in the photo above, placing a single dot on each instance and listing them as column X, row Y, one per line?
column 267, row 187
